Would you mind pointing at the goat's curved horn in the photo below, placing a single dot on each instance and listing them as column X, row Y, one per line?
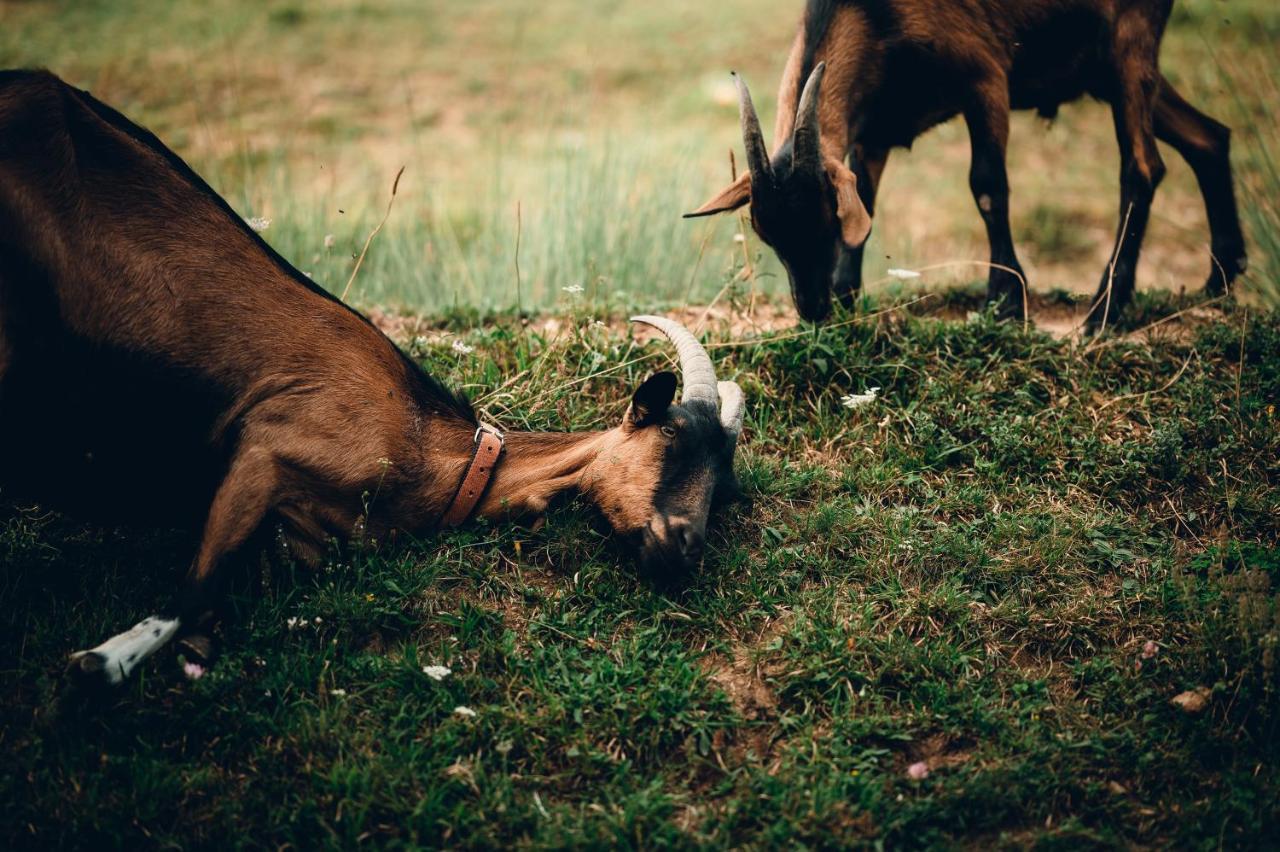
column 752, row 135
column 731, row 408
column 696, row 371
column 805, row 145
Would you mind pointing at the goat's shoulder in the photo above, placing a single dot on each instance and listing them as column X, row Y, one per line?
column 24, row 87
column 33, row 123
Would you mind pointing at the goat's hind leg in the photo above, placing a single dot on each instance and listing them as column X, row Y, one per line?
column 1206, row 146
column 243, row 500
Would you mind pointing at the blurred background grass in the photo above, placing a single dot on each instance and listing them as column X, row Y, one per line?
column 602, row 121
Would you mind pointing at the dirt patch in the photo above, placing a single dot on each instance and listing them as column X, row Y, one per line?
column 404, row 328
column 938, row 751
column 1063, row 316
column 740, row 679
column 742, row 674
column 1056, row 314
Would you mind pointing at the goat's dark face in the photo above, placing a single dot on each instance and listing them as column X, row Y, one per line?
column 804, row 203
column 797, row 214
column 666, row 468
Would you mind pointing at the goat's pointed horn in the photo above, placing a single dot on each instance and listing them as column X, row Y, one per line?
column 752, row 135
column 696, row 371
column 806, row 138
column 732, row 408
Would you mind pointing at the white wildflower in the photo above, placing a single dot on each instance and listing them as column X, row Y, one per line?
column 295, row 623
column 857, row 400
column 258, row 223
column 341, row 693
column 465, row 712
column 462, row 348
column 573, row 289
column 436, row 672
column 903, row 274
column 329, row 241
column 918, row 771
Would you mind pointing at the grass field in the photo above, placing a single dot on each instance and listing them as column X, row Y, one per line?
column 1004, row 569
column 956, row 616
column 604, row 121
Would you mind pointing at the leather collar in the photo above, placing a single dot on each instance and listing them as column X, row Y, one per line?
column 489, row 445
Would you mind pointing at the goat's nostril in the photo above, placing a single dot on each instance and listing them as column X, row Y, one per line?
column 691, row 541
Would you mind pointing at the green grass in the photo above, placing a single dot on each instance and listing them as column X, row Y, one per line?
column 964, row 573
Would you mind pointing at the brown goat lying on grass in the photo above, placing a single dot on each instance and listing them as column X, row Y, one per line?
column 878, row 73
column 158, row 359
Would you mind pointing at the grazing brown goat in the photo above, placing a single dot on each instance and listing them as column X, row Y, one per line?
column 878, row 73
column 158, row 359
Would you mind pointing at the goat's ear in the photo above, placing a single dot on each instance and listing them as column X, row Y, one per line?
column 731, row 197
column 652, row 399
column 855, row 222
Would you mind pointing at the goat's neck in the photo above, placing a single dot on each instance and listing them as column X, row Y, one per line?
column 538, row 466
column 835, row 107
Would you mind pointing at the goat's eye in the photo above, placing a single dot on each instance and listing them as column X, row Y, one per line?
column 669, row 431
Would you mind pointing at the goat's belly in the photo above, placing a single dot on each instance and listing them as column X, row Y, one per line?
column 103, row 437
column 1061, row 59
column 919, row 90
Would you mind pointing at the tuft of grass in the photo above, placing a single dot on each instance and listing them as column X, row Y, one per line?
column 621, row 241
column 1260, row 201
column 1003, row 569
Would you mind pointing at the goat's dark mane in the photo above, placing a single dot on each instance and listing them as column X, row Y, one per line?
column 428, row 391
column 818, row 16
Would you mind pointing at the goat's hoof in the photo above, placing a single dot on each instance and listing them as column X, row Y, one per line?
column 88, row 671
column 1229, row 263
column 1217, row 285
column 197, row 652
column 1096, row 328
column 1008, row 306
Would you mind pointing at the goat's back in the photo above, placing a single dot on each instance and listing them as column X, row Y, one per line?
column 142, row 322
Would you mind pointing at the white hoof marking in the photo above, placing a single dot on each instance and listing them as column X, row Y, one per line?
column 122, row 653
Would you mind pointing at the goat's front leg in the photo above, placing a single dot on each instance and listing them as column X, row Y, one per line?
column 246, row 495
column 988, row 121
column 867, row 166
column 1141, row 169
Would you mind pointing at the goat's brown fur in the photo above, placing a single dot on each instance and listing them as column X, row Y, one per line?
column 896, row 68
column 157, row 355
